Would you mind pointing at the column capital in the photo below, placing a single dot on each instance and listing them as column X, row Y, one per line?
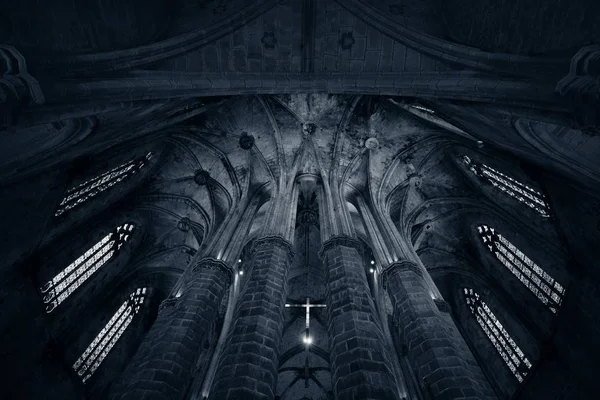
column 397, row 267
column 214, row 264
column 345, row 241
column 442, row 306
column 275, row 240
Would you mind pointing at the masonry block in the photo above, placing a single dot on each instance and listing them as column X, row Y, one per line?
column 164, row 362
column 248, row 365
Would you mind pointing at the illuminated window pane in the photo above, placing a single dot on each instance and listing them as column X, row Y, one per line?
column 59, row 288
column 92, row 187
column 512, row 355
column 538, row 281
column 97, row 351
column 517, row 190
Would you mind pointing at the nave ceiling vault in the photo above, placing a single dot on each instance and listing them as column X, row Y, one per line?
column 352, row 105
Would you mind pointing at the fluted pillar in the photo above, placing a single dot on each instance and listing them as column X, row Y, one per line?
column 360, row 365
column 162, row 366
column 248, row 366
column 437, row 352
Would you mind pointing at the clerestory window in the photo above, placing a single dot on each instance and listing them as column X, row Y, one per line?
column 92, row 187
column 59, row 288
column 515, row 189
column 96, row 352
column 539, row 282
column 512, row 354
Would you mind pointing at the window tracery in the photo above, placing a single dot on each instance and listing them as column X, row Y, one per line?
column 59, row 288
column 96, row 352
column 510, row 352
column 92, row 187
column 515, row 189
column 539, row 282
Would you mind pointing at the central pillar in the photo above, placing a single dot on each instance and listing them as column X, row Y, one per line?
column 436, row 350
column 163, row 364
column 360, row 365
column 248, row 366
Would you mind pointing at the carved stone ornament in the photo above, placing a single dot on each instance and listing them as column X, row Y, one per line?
column 309, row 129
column 18, row 89
column 246, row 141
column 184, row 224
column 398, row 267
column 372, row 143
column 168, row 303
column 581, row 88
column 442, row 305
column 270, row 241
column 345, row 241
column 201, row 177
column 216, row 265
column 308, row 217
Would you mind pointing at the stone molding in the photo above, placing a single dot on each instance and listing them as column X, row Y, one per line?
column 345, row 241
column 400, row 266
column 167, row 303
column 442, row 306
column 18, row 89
column 272, row 239
column 214, row 264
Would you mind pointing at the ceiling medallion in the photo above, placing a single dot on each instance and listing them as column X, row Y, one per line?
column 201, row 177
column 308, row 217
column 184, row 224
column 309, row 129
column 371, row 143
column 347, row 41
column 269, row 40
column 246, row 141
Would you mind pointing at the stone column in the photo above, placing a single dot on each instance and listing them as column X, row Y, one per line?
column 162, row 366
column 436, row 351
column 360, row 365
column 248, row 366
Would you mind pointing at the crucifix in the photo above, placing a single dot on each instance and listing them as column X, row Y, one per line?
column 307, row 339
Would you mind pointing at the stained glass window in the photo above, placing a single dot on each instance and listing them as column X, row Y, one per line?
column 507, row 348
column 92, row 187
column 56, row 290
column 517, row 190
column 547, row 289
column 97, row 351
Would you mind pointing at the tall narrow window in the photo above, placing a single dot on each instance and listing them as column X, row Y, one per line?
column 69, row 279
column 92, row 187
column 517, row 190
column 97, row 351
column 546, row 288
column 504, row 344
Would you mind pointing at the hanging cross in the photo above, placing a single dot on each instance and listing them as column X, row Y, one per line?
column 307, row 339
column 308, row 306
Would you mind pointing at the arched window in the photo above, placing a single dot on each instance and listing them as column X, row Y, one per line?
column 504, row 344
column 92, row 187
column 515, row 189
column 546, row 288
column 97, row 351
column 68, row 280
